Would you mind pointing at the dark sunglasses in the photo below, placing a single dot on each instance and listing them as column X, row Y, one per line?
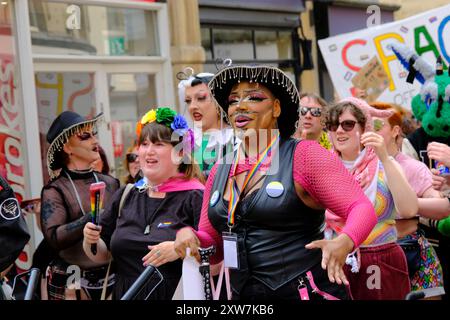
column 131, row 157
column 347, row 125
column 86, row 135
column 315, row 112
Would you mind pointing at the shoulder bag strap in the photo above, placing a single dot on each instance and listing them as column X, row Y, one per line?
column 125, row 193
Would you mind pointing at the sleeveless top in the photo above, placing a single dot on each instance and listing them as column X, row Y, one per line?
column 272, row 231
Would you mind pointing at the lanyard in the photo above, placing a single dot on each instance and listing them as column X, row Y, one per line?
column 235, row 193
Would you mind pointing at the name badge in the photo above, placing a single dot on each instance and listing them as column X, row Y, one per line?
column 230, row 250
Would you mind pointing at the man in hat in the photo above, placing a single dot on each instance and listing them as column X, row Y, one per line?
column 268, row 218
column 66, row 205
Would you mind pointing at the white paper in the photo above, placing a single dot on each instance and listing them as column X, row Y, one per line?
column 192, row 279
column 230, row 254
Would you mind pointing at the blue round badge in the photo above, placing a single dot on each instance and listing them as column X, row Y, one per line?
column 214, row 198
column 274, row 189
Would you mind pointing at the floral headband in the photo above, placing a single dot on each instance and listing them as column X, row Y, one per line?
column 170, row 119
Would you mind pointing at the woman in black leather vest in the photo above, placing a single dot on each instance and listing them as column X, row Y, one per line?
column 263, row 207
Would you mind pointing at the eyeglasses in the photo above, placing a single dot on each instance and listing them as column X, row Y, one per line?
column 131, row 157
column 347, row 125
column 315, row 112
column 378, row 124
column 86, row 135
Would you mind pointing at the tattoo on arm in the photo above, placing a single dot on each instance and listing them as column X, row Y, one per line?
column 47, row 210
column 77, row 224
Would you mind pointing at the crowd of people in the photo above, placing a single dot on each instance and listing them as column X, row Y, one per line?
column 302, row 199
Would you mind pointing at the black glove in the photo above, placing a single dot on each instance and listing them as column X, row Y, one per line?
column 13, row 228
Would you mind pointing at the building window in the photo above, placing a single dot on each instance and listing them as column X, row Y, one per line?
column 251, row 46
column 66, row 29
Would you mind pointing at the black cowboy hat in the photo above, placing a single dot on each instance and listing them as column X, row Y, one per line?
column 63, row 127
column 273, row 78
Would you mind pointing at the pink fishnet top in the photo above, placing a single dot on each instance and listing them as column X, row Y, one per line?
column 326, row 180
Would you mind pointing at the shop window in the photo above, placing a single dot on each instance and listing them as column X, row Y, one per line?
column 273, row 45
column 251, row 46
column 234, row 44
column 131, row 95
column 67, row 29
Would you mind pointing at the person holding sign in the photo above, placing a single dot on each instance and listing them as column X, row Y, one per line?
column 139, row 225
column 263, row 209
column 66, row 205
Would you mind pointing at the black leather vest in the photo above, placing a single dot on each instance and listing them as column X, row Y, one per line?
column 272, row 232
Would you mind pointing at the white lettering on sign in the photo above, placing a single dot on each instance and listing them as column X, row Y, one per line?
column 73, row 21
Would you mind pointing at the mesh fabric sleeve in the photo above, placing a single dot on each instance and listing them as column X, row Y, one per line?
column 56, row 230
column 206, row 233
column 322, row 174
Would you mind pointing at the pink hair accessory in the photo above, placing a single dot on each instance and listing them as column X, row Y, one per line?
column 368, row 111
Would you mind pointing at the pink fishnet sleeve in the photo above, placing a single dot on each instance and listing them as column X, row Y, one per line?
column 206, row 233
column 329, row 183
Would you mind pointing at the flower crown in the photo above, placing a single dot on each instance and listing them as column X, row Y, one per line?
column 170, row 119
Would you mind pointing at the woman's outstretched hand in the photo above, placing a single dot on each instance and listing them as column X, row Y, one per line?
column 334, row 253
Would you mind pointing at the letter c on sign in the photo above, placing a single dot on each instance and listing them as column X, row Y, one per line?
column 344, row 53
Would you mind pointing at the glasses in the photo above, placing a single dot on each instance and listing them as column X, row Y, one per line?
column 315, row 112
column 86, row 135
column 347, row 125
column 131, row 157
column 378, row 124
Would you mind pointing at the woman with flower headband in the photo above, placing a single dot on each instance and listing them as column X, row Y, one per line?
column 379, row 262
column 140, row 231
column 263, row 207
column 211, row 130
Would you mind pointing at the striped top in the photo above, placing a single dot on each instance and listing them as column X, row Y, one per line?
column 384, row 231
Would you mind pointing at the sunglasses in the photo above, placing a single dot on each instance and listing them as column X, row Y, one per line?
column 347, row 125
column 131, row 157
column 315, row 112
column 86, row 135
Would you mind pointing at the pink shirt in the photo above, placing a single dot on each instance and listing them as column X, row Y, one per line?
column 416, row 172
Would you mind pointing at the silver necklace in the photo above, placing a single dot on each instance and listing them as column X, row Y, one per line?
column 76, row 192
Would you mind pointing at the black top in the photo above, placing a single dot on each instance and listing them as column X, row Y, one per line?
column 420, row 139
column 63, row 220
column 126, row 238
